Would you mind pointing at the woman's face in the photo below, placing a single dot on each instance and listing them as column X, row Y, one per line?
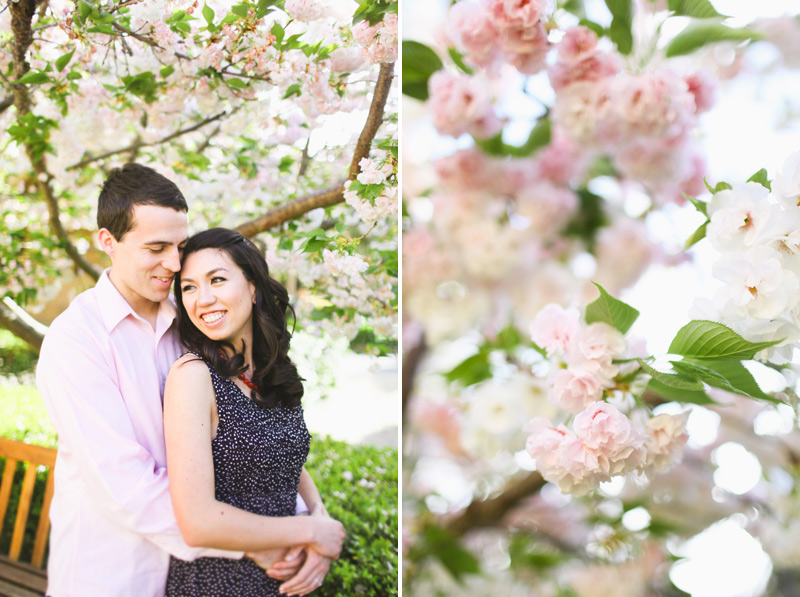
column 217, row 296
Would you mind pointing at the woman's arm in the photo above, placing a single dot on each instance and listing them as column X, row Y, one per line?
column 310, row 494
column 204, row 521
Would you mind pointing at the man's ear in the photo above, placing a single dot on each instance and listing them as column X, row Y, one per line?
column 107, row 242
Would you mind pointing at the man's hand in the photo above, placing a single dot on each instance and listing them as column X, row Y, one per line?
column 310, row 576
column 287, row 559
column 289, row 565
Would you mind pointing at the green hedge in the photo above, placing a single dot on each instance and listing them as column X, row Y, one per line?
column 359, row 487
column 357, row 483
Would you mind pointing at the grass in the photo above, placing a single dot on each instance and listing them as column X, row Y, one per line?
column 16, row 356
column 24, row 416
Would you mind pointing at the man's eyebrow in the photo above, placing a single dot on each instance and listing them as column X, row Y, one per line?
column 208, row 275
column 162, row 243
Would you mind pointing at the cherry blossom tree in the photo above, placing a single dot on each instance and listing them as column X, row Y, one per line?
column 275, row 118
column 551, row 150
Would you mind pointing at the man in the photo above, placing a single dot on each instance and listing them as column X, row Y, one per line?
column 101, row 374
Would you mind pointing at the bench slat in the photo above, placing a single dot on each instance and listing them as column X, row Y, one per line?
column 27, row 452
column 40, row 543
column 19, row 579
column 22, row 511
column 5, row 487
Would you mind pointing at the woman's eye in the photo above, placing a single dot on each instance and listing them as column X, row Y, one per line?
column 161, row 250
column 187, row 288
column 217, row 279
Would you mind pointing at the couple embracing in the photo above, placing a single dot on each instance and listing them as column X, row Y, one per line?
column 138, row 385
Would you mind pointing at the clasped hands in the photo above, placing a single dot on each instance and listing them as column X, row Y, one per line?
column 302, row 567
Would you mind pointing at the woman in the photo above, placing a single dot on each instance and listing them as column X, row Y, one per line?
column 236, row 439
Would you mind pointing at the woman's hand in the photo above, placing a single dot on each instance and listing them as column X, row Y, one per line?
column 310, row 576
column 286, row 561
column 328, row 536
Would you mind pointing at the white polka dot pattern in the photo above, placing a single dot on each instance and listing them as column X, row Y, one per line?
column 258, row 457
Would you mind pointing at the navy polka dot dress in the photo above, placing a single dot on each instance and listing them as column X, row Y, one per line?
column 258, row 457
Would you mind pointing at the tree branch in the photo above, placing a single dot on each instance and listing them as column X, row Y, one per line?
column 6, row 103
column 138, row 144
column 19, row 323
column 21, row 14
column 291, row 210
column 334, row 195
column 489, row 512
column 411, row 360
column 374, row 118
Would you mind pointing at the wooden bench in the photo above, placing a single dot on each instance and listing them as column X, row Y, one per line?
column 25, row 579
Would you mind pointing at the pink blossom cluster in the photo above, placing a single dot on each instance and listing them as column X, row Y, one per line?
column 604, row 442
column 342, row 264
column 461, row 104
column 374, row 173
column 603, row 445
column 491, row 31
column 585, row 351
column 644, row 121
column 379, row 41
column 562, row 163
column 304, row 10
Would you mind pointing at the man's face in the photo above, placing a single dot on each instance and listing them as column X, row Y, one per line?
column 144, row 262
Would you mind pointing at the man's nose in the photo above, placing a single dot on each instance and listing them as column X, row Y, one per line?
column 172, row 260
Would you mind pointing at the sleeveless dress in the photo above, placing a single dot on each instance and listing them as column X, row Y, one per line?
column 258, row 457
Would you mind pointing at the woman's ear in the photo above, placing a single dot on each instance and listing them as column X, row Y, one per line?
column 253, row 293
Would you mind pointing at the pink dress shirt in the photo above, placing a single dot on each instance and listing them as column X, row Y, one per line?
column 101, row 375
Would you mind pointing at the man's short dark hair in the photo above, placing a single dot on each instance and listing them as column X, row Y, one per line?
column 131, row 185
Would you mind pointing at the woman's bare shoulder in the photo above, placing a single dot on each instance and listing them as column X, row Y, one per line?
column 189, row 371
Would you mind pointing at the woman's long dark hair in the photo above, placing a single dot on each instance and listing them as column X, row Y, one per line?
column 273, row 372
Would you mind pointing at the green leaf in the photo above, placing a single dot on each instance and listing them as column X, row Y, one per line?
column 63, row 61
column 697, row 235
column 102, row 28
column 458, row 58
column 279, row 32
column 596, row 27
column 241, row 10
column 620, row 29
column 508, row 338
column 471, row 370
column 700, row 206
column 697, row 35
column 167, row 71
column 721, row 186
column 575, row 7
column 34, row 78
column 231, row 18
column 295, row 89
column 728, row 375
column 419, row 63
column 539, row 137
column 73, row 75
column 263, row 8
column 84, row 10
column 673, row 380
column 761, row 178
column 445, row 547
column 711, row 340
column 236, row 83
column 610, row 310
column 208, row 14
column 699, row 9
column 678, row 395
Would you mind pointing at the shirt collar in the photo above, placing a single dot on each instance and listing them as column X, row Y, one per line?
column 114, row 308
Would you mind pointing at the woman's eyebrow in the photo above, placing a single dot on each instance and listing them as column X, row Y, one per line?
column 208, row 275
